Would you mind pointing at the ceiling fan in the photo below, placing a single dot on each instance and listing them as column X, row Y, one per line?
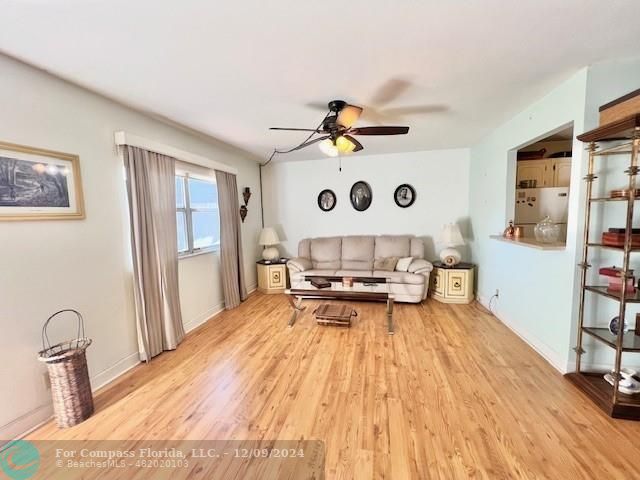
column 337, row 130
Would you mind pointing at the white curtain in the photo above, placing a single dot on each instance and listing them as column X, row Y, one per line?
column 152, row 209
column 231, row 263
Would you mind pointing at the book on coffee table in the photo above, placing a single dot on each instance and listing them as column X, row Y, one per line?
column 320, row 282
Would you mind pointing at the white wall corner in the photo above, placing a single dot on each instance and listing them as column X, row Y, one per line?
column 552, row 357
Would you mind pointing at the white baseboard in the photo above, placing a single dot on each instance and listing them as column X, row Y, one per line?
column 26, row 423
column 32, row 420
column 196, row 322
column 545, row 352
column 110, row 374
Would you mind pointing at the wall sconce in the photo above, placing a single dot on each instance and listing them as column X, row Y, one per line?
column 246, row 195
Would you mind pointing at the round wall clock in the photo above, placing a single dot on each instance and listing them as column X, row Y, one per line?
column 361, row 196
column 326, row 200
column 404, row 195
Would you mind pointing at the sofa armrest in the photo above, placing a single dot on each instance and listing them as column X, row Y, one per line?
column 299, row 264
column 420, row 266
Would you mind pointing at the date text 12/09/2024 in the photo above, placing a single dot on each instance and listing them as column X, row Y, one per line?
column 176, row 453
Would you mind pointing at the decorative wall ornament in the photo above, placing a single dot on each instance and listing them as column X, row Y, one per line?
column 361, row 195
column 327, row 200
column 404, row 195
column 246, row 195
column 37, row 184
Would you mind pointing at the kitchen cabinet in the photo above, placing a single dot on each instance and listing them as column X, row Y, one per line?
column 547, row 172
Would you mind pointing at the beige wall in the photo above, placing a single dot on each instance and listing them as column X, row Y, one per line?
column 86, row 264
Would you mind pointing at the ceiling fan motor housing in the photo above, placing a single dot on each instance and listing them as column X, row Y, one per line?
column 336, row 105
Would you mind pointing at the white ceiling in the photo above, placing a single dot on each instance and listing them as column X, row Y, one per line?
column 234, row 68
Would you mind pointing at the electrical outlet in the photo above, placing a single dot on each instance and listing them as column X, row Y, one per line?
column 46, row 380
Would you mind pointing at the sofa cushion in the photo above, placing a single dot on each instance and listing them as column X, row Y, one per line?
column 403, row 264
column 387, row 264
column 357, row 252
column 401, row 277
column 392, row 246
column 304, row 248
column 326, row 252
column 417, row 248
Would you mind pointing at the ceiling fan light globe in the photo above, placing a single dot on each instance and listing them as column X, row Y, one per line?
column 344, row 145
column 328, row 148
column 348, row 116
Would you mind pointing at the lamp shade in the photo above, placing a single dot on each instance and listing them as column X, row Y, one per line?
column 450, row 236
column 268, row 236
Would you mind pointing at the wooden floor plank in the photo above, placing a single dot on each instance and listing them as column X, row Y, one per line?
column 453, row 394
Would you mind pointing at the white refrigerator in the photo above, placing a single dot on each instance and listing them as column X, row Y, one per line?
column 533, row 204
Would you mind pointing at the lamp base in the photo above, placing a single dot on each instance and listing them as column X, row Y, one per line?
column 450, row 257
column 270, row 253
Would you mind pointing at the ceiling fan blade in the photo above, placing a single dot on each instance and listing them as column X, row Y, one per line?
column 306, row 144
column 415, row 110
column 318, row 105
column 379, row 131
column 294, row 129
column 390, row 90
column 355, row 142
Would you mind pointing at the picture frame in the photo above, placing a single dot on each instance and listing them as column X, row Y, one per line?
column 39, row 184
column 404, row 195
column 361, row 195
column 327, row 200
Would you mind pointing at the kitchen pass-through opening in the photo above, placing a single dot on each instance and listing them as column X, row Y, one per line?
column 543, row 177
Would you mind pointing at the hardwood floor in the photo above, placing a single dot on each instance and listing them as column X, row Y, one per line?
column 453, row 394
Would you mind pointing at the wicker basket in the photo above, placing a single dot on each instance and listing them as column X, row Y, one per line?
column 67, row 364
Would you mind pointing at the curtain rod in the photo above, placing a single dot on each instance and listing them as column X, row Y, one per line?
column 124, row 138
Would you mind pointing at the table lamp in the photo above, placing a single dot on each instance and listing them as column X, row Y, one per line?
column 269, row 237
column 450, row 237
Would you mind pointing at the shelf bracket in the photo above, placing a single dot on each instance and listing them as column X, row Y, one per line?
column 579, row 350
column 633, row 170
column 584, row 265
column 590, row 177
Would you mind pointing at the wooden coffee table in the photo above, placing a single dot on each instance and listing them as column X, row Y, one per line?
column 369, row 289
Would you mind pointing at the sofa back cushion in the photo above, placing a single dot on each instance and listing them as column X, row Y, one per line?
column 392, row 246
column 417, row 248
column 326, row 252
column 304, row 248
column 357, row 252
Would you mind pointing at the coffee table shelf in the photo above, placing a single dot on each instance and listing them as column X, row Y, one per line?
column 364, row 289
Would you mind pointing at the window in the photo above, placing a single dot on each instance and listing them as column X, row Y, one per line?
column 197, row 215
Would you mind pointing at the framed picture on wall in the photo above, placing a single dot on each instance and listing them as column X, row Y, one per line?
column 327, row 200
column 38, row 184
column 405, row 195
column 361, row 196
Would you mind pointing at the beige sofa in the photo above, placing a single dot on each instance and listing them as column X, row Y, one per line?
column 355, row 256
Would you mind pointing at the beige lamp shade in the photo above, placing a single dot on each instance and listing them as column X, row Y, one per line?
column 450, row 236
column 268, row 236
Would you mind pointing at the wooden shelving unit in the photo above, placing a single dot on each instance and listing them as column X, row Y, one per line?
column 618, row 138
